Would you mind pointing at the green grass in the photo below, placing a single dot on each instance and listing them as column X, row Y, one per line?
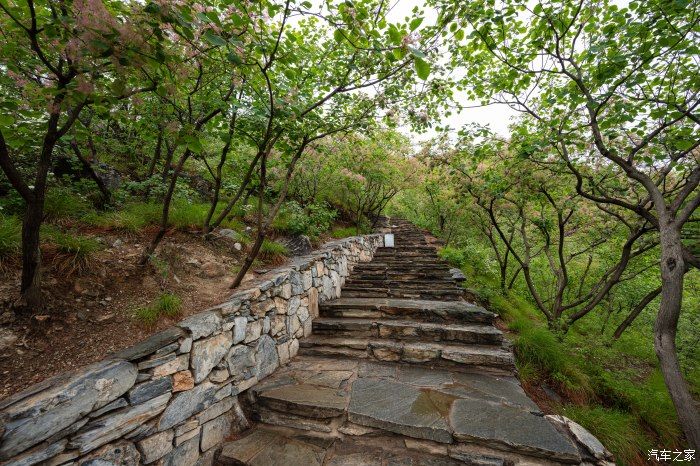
column 272, row 251
column 345, row 232
column 131, row 218
column 62, row 203
column 167, row 304
column 619, row 431
column 10, row 236
column 75, row 250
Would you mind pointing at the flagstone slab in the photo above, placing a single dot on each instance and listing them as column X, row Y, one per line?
column 400, row 408
column 474, row 420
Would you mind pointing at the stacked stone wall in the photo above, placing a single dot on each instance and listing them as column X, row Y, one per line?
column 173, row 398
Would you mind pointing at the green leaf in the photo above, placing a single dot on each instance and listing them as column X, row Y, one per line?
column 233, row 58
column 6, row 120
column 395, row 35
column 416, row 53
column 338, row 35
column 422, row 68
column 213, row 39
column 413, row 25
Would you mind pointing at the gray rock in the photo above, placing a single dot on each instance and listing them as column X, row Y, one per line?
column 185, row 346
column 186, row 404
column 239, row 329
column 116, row 425
column 266, row 355
column 156, row 446
column 216, row 410
column 295, row 279
column 155, row 361
column 7, row 338
column 62, row 401
column 206, row 354
column 146, row 391
column 116, row 404
column 117, row 454
column 582, row 436
column 293, row 306
column 457, row 275
column 203, row 324
column 510, row 427
column 400, row 408
column 38, row 454
column 215, row 431
column 241, row 362
column 150, row 345
column 186, row 454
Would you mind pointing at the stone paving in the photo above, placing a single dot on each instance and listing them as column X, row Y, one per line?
column 401, row 371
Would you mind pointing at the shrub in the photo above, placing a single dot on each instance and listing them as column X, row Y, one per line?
column 452, row 255
column 617, row 430
column 10, row 236
column 167, row 304
column 75, row 251
column 312, row 221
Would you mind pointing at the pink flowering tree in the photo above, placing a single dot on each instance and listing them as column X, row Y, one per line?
column 56, row 60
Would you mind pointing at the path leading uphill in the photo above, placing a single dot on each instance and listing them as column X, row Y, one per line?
column 400, row 370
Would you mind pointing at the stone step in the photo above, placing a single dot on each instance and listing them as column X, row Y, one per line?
column 456, row 357
column 401, row 276
column 408, row 330
column 407, row 264
column 402, row 268
column 361, row 292
column 407, row 309
column 381, row 282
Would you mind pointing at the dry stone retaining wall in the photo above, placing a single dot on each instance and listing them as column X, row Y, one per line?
column 173, row 398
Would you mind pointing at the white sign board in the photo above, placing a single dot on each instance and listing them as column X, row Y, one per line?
column 389, row 240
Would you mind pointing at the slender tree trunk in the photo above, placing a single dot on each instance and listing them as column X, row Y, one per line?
column 150, row 249
column 106, row 194
column 208, row 224
column 156, row 153
column 31, row 254
column 672, row 273
column 635, row 312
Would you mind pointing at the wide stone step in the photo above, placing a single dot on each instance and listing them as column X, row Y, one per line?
column 380, row 269
column 398, row 275
column 438, row 284
column 409, row 309
column 408, row 330
column 404, row 265
column 441, row 295
column 457, row 357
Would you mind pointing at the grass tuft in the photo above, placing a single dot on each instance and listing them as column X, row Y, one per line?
column 10, row 236
column 167, row 304
column 618, row 430
column 273, row 252
column 345, row 232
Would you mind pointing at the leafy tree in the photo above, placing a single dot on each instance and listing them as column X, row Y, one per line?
column 57, row 60
column 605, row 85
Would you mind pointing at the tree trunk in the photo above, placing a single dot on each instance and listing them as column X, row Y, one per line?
column 31, row 254
column 150, row 249
column 672, row 273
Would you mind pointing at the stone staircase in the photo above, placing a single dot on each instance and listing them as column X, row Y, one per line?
column 399, row 370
